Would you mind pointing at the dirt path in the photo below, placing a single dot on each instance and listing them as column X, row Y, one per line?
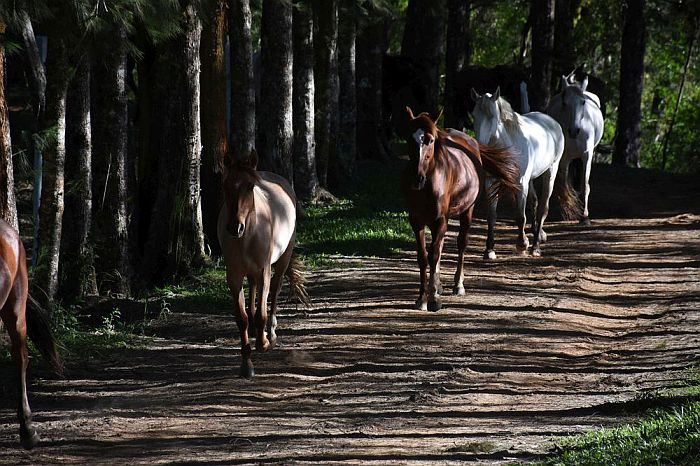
column 538, row 348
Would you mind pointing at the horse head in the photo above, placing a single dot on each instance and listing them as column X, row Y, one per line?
column 486, row 115
column 423, row 132
column 573, row 103
column 240, row 178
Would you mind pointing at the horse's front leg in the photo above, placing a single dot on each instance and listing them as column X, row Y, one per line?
column 261, row 341
column 12, row 314
column 419, row 232
column 465, row 221
column 437, row 231
column 235, row 284
column 522, row 243
column 587, row 160
column 490, row 253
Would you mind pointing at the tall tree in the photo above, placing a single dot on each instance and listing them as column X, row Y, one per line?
column 214, row 128
column 8, row 206
column 305, row 178
column 53, row 131
column 275, row 135
column 77, row 273
column 564, row 51
column 110, row 145
column 326, row 80
column 242, row 88
column 542, row 19
column 371, row 45
column 629, row 114
column 346, row 153
column 175, row 241
column 424, row 39
column 457, row 55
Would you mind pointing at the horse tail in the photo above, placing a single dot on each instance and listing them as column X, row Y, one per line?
column 569, row 202
column 39, row 330
column 500, row 163
column 297, row 280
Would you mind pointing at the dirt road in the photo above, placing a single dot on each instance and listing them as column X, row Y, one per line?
column 537, row 349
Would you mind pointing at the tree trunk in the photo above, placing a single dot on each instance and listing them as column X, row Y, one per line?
column 564, row 51
column 629, row 114
column 110, row 144
column 8, row 205
column 214, row 128
column 305, row 179
column 37, row 81
column 346, row 153
column 275, row 135
column 457, row 55
column 53, row 128
column 242, row 88
column 423, row 40
column 326, row 80
column 542, row 15
column 77, row 273
column 370, row 52
column 175, row 243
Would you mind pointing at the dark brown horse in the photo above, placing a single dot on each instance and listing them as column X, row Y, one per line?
column 443, row 181
column 22, row 320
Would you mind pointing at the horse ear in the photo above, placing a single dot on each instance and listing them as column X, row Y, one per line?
column 564, row 82
column 439, row 115
column 584, row 84
column 253, row 159
column 410, row 112
column 475, row 95
column 496, row 94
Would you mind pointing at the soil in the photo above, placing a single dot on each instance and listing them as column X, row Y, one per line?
column 537, row 349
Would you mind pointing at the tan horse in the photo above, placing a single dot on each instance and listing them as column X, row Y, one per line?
column 257, row 231
column 22, row 320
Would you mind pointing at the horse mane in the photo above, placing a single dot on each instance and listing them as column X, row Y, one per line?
column 508, row 116
column 237, row 168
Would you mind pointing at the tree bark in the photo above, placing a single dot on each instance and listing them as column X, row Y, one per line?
column 423, row 40
column 110, row 144
column 37, row 81
column 326, row 79
column 346, row 154
column 8, row 205
column 175, row 244
column 53, row 130
column 214, row 127
column 629, row 114
column 564, row 51
column 542, row 15
column 305, row 179
column 77, row 272
column 275, row 135
column 242, row 88
column 370, row 53
column 457, row 55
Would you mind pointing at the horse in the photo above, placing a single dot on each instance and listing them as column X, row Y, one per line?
column 22, row 320
column 538, row 142
column 443, row 180
column 257, row 231
column 579, row 114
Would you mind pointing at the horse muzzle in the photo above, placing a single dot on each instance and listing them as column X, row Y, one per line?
column 236, row 229
column 420, row 183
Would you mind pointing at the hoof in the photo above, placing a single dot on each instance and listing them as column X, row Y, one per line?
column 262, row 344
column 458, row 290
column 434, row 305
column 490, row 255
column 421, row 305
column 247, row 370
column 28, row 438
column 536, row 252
column 585, row 222
column 521, row 250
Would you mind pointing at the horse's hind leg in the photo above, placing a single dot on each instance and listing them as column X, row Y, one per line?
column 261, row 341
column 13, row 315
column 275, row 285
column 548, row 179
column 490, row 253
column 465, row 221
column 522, row 242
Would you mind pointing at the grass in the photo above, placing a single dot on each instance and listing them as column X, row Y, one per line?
column 668, row 436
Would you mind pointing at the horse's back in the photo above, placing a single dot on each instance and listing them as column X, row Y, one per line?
column 281, row 201
column 542, row 145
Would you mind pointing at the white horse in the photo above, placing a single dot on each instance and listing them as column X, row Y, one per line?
column 578, row 113
column 538, row 143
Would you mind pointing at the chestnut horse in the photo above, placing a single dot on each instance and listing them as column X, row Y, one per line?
column 443, row 181
column 22, row 320
column 257, row 231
